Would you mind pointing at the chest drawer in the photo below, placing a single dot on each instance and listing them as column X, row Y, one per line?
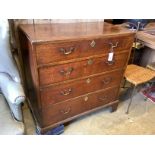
column 68, row 109
column 61, row 92
column 58, row 73
column 52, row 52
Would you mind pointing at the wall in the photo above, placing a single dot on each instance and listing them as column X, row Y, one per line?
column 148, row 56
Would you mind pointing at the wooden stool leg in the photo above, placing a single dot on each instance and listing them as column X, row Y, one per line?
column 132, row 93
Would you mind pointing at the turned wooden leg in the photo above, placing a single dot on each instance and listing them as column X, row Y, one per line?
column 114, row 107
column 51, row 131
column 40, row 131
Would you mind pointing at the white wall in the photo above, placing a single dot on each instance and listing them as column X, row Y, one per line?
column 40, row 21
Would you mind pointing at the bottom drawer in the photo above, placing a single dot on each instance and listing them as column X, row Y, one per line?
column 67, row 109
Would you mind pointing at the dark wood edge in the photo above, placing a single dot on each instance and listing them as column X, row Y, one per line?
column 83, row 38
column 92, row 37
column 32, row 48
column 125, row 68
column 36, row 121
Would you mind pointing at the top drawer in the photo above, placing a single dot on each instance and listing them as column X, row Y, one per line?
column 52, row 52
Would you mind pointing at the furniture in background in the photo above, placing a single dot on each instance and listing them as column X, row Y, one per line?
column 146, row 38
column 11, row 90
column 137, row 75
column 11, row 98
column 148, row 92
column 151, row 66
column 72, row 69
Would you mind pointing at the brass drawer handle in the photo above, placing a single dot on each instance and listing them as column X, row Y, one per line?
column 90, row 62
column 66, row 111
column 113, row 46
column 107, row 80
column 66, row 52
column 86, row 98
column 93, row 43
column 109, row 63
column 103, row 98
column 67, row 72
column 66, row 92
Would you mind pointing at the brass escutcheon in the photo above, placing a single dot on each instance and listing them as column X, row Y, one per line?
column 90, row 62
column 93, row 43
column 86, row 98
column 88, row 80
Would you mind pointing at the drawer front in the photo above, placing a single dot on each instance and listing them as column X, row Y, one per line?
column 67, row 109
column 59, row 93
column 48, row 53
column 52, row 74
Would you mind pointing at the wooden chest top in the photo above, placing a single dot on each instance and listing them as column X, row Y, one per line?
column 71, row 31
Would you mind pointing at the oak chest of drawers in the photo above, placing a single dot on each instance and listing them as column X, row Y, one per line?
column 72, row 69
